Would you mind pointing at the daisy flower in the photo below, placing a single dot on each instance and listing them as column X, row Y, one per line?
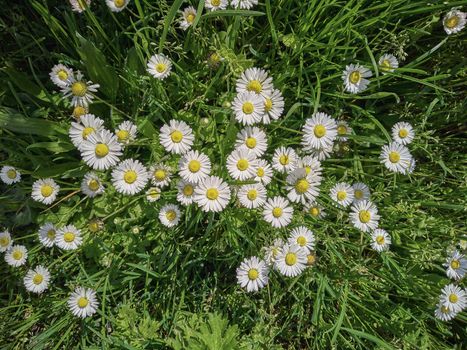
column 68, row 238
column 255, row 80
column 159, row 66
column 252, row 138
column 252, row 274
column 242, row 164
column 160, row 175
column 291, row 260
column 60, row 75
column 95, row 225
column 252, row 196
column 45, row 191
column 83, row 302
column 396, row 157
column 271, row 252
column 380, row 240
column 403, row 133
column 311, row 259
column 185, row 192
column 278, row 212
column 315, row 210
column 212, row 194
column 273, row 105
column 388, row 63
column 456, row 265
column 194, row 166
column 188, row 17
column 130, row 177
column 214, row 5
column 214, row 59
column 5, row 241
column 244, row 4
column 342, row 193
column 169, row 215
column 284, row 159
column 10, row 175
column 264, row 172
column 248, row 108
column 360, row 191
column 443, row 313
column 454, row 298
column 319, row 131
column 153, row 194
column 177, row 137
column 302, row 187
column 79, row 5
column 364, row 216
column 311, row 165
column 16, row 255
column 302, row 237
column 321, row 153
column 79, row 111
column 454, row 21
column 47, row 234
column 37, row 279
column 126, row 132
column 88, row 125
column 354, row 78
column 117, row 5
column 91, row 185
column 101, row 150
column 82, row 91
column 343, row 130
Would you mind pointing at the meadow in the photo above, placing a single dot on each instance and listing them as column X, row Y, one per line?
column 275, row 105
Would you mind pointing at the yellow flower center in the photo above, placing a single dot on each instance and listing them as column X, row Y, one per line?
column 69, row 237
column 311, row 259
column 380, row 240
column 62, row 75
column 284, row 159
column 11, row 173
column 171, row 215
column 394, row 157
column 51, row 234
column 314, row 211
column 93, row 185
column 17, row 255
column 46, row 190
column 79, row 88
column 358, row 194
column 188, row 190
column 101, row 150
column 260, row 172
column 444, row 309
column 130, row 176
column 355, row 76
column 252, row 194
column 4, row 241
column 250, row 142
column 452, row 21
column 87, row 131
column 386, row 65
column 190, row 18
column 82, row 302
column 267, row 104
column 242, row 164
column 341, row 195
column 453, row 298
column 253, row 274
column 94, row 226
column 123, row 135
column 455, row 264
column 160, row 175
column 320, row 130
column 212, row 194
column 301, row 186
column 78, row 111
column 176, row 136
column 37, row 279
column 215, row 2
column 277, row 212
column 194, row 166
column 160, row 67
column 255, row 86
column 291, row 259
column 307, row 169
column 403, row 133
column 214, row 58
column 364, row 216
column 341, row 130
column 301, row 241
column 119, row 3
column 248, row 108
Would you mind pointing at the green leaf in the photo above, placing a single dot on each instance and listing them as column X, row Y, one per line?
column 168, row 21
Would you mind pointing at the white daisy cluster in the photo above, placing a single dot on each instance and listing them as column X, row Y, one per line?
column 396, row 156
column 114, row 5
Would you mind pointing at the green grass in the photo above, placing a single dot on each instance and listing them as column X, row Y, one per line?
column 167, row 288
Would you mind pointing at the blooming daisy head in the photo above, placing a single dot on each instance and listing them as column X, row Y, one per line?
column 60, row 75
column 169, row 215
column 83, row 302
column 185, row 191
column 315, row 210
column 47, row 234
column 271, row 252
column 5, row 241
column 291, row 260
column 252, row 274
column 79, row 5
column 212, row 194
column 10, row 175
column 95, row 225
column 242, row 164
column 342, row 193
column 79, row 131
column 255, row 80
column 343, row 130
column 79, row 111
column 443, row 313
column 16, row 255
column 311, row 258
column 252, row 196
column 364, row 216
column 354, row 78
column 380, row 240
column 253, row 139
column 188, row 17
column 302, row 237
column 454, row 21
column 159, row 66
column 360, row 191
column 243, row 4
column 194, row 166
column 37, row 279
column 80, row 90
column 101, row 150
column 214, row 5
column 117, row 5
column 388, row 63
column 248, row 107
column 68, row 238
column 153, row 194
column 302, row 187
column 214, row 59
column 284, row 159
column 273, row 105
column 319, row 131
column 278, row 212
column 160, row 175
column 396, row 157
column 456, row 265
column 91, row 185
column 264, row 172
column 45, row 191
column 403, row 133
column 454, row 298
column 177, row 137
column 126, row 132
column 130, row 177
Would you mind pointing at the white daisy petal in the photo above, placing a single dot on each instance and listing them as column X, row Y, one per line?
column 37, row 279
column 252, row 274
column 10, row 175
column 342, row 193
column 403, row 133
column 278, row 212
column 101, row 150
column 169, row 215
column 47, row 234
column 380, row 240
column 291, row 260
column 248, row 108
column 68, row 238
column 159, row 66
column 45, row 191
column 354, row 78
column 364, row 216
column 194, row 166
column 212, row 194
column 16, row 255
column 130, row 177
column 396, row 157
column 177, row 137
column 83, row 302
